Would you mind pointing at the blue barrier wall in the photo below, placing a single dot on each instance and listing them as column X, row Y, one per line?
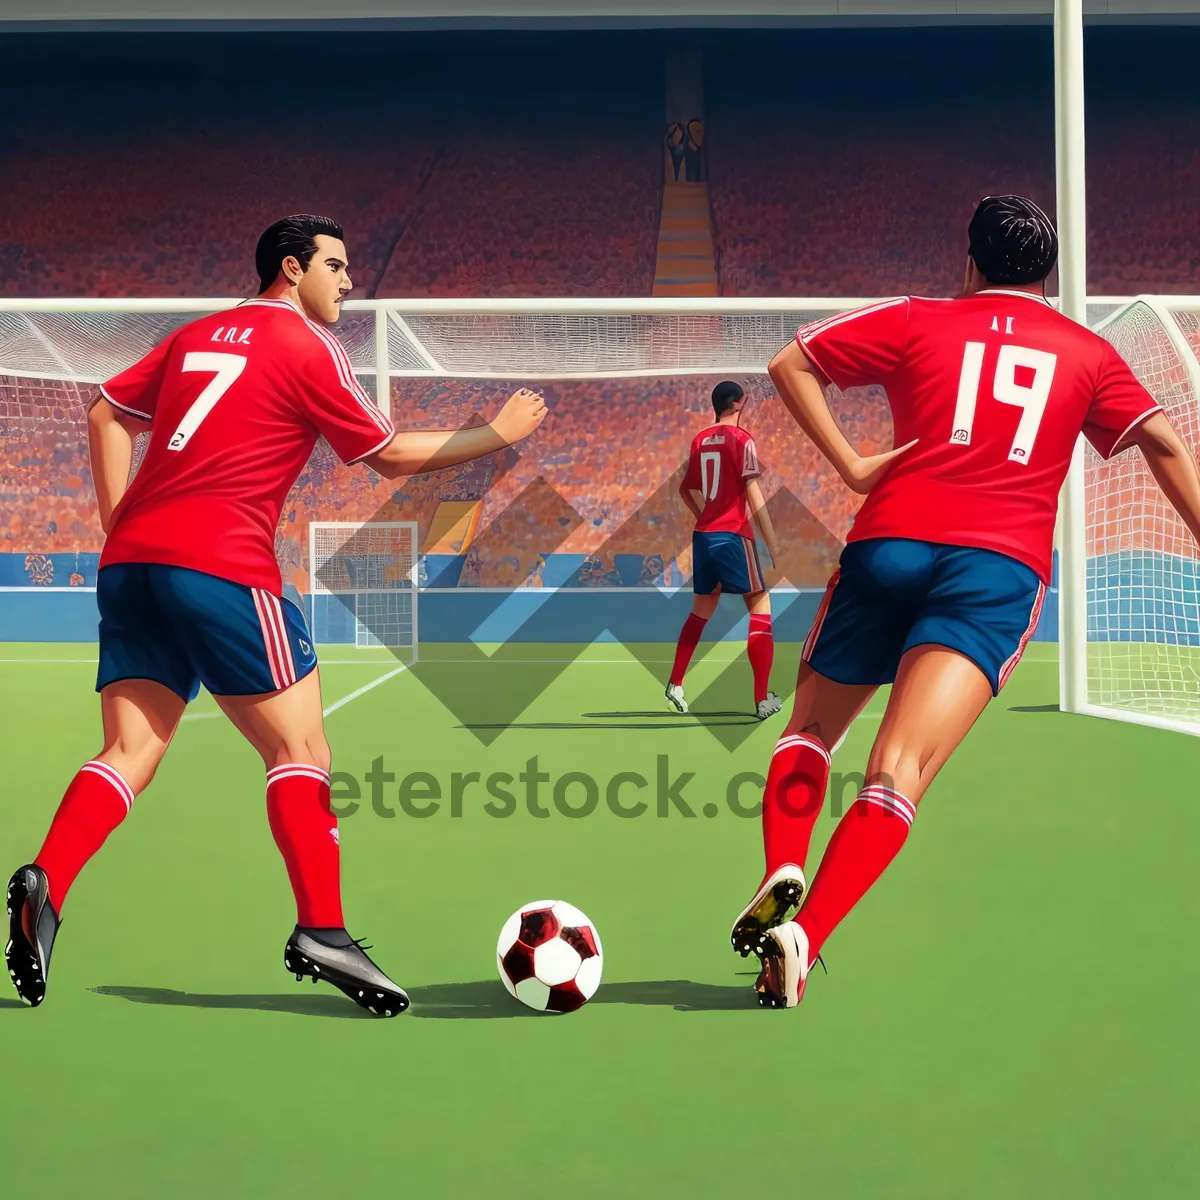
column 1132, row 588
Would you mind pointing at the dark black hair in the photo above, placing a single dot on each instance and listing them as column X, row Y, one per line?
column 1012, row 240
column 725, row 396
column 293, row 237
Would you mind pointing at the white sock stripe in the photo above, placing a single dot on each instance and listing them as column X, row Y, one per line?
column 892, row 801
column 114, row 777
column 293, row 770
column 791, row 740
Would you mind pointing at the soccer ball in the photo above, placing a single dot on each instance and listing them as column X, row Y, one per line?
column 549, row 956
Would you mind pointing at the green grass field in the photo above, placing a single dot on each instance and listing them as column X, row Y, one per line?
column 1011, row 1012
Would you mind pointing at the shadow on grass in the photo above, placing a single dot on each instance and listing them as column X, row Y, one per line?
column 658, row 717
column 487, row 999
column 1034, row 708
column 319, row 1004
column 483, row 999
column 701, row 723
column 13, row 1004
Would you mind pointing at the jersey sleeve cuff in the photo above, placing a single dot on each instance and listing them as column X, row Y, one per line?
column 1120, row 444
column 133, row 412
column 806, row 345
column 373, row 450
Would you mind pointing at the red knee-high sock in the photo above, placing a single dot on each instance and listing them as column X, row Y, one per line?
column 793, row 798
column 96, row 801
column 689, row 638
column 306, row 832
column 867, row 838
column 760, row 650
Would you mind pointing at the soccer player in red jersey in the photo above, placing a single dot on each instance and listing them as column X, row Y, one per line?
column 941, row 583
column 189, row 590
column 720, row 487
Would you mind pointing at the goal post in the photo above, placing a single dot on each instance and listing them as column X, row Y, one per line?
column 363, row 584
column 1138, row 566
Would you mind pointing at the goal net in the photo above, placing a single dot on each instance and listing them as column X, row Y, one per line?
column 1143, row 582
column 364, row 584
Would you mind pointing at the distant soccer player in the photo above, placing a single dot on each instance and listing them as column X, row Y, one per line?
column 941, row 584
column 189, row 589
column 721, row 488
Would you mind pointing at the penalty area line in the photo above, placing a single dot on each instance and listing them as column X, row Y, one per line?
column 332, row 708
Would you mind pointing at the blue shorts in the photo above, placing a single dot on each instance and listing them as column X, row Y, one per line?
column 182, row 628
column 727, row 559
column 891, row 594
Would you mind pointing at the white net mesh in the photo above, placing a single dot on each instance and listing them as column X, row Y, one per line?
column 562, row 345
column 1143, row 598
column 364, row 582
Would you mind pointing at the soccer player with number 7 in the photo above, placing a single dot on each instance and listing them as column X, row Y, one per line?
column 942, row 580
column 189, row 590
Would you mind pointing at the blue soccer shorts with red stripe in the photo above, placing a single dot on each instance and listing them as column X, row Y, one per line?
column 183, row 628
column 727, row 559
column 891, row 594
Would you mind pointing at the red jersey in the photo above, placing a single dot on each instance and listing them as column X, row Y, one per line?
column 720, row 461
column 236, row 403
column 996, row 388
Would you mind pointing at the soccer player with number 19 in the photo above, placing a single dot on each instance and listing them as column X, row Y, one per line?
column 942, row 580
column 189, row 591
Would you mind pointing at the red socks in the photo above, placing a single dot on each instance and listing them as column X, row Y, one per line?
column 689, row 638
column 96, row 801
column 793, row 798
column 760, row 650
column 306, row 832
column 867, row 838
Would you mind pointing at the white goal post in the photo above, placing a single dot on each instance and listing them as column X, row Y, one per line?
column 1130, row 575
column 1137, row 570
column 363, row 584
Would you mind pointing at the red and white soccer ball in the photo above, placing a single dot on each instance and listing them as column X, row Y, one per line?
column 549, row 956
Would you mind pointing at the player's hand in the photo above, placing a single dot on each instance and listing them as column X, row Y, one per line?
column 865, row 472
column 522, row 413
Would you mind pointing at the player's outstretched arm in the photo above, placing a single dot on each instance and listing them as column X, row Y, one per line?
column 110, row 450
column 414, row 451
column 1173, row 467
column 796, row 380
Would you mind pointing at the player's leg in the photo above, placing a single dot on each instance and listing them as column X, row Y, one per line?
column 706, row 590
column 144, row 686
column 253, row 652
column 760, row 650
column 938, row 695
column 853, row 646
column 977, row 617
column 793, row 797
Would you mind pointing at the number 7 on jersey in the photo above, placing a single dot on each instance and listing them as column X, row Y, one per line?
column 225, row 368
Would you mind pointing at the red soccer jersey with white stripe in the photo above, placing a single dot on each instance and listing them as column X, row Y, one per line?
column 722, row 458
column 236, row 403
column 996, row 388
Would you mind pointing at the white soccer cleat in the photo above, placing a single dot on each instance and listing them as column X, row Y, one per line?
column 777, row 901
column 768, row 707
column 784, row 953
column 674, row 694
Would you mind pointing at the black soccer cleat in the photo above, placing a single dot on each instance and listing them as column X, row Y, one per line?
column 32, row 927
column 348, row 968
column 777, row 901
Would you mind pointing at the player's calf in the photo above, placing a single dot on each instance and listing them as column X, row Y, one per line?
column 334, row 957
column 32, row 927
column 777, row 901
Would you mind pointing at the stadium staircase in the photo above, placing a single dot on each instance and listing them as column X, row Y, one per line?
column 686, row 265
